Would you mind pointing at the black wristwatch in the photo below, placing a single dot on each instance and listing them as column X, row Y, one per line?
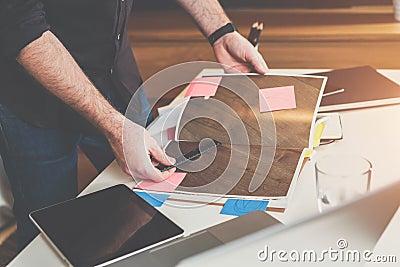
column 227, row 28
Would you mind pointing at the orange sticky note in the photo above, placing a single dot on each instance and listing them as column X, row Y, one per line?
column 205, row 86
column 277, row 98
column 171, row 133
column 167, row 185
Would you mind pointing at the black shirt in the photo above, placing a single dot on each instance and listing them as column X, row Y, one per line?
column 93, row 31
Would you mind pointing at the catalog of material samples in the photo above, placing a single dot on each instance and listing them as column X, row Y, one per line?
column 263, row 124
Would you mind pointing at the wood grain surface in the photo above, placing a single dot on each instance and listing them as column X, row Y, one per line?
column 217, row 178
column 284, row 128
column 273, row 144
column 292, row 38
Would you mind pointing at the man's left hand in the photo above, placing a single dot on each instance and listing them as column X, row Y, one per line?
column 237, row 52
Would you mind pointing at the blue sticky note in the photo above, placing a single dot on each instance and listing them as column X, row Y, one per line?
column 156, row 200
column 239, row 207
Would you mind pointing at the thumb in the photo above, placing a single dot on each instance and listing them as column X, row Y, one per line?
column 160, row 156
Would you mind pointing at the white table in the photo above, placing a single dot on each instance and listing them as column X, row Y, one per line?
column 373, row 133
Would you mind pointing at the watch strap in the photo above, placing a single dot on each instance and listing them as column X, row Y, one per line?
column 227, row 28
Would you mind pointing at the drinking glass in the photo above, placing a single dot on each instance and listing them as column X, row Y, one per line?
column 341, row 178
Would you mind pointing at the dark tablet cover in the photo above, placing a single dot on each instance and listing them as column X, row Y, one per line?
column 364, row 87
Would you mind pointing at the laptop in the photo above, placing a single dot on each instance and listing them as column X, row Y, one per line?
column 170, row 254
column 116, row 227
column 350, row 230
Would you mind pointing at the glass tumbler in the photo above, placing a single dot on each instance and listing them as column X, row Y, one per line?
column 340, row 178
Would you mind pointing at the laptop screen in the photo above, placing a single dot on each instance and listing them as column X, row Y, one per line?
column 103, row 226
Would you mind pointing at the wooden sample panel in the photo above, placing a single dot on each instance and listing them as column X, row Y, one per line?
column 276, row 182
column 270, row 152
column 290, row 127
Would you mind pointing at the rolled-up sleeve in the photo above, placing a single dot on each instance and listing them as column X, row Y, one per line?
column 21, row 22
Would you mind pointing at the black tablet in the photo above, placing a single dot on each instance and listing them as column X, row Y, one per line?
column 103, row 227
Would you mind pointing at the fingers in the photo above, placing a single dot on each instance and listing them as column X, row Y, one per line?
column 156, row 175
column 167, row 173
column 237, row 52
column 257, row 61
column 159, row 155
column 139, row 158
column 148, row 171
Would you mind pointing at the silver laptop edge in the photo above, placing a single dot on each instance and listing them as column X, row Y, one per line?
column 273, row 230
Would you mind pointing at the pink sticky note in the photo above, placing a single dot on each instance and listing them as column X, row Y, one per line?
column 277, row 98
column 205, row 86
column 171, row 133
column 167, row 185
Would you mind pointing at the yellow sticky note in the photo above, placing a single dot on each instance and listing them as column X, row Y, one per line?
column 309, row 153
column 319, row 129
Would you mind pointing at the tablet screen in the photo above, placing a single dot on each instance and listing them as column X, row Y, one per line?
column 103, row 226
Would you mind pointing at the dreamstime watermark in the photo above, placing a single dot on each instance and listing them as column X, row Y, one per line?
column 340, row 253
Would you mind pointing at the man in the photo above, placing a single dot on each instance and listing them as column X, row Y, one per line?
column 66, row 65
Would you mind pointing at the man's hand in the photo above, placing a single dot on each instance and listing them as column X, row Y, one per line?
column 137, row 152
column 231, row 49
column 237, row 52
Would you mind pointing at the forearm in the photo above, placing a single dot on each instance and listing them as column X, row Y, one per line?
column 49, row 62
column 208, row 14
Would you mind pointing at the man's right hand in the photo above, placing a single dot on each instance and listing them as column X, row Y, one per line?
column 48, row 61
column 137, row 152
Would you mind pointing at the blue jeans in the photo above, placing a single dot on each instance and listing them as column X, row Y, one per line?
column 41, row 165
